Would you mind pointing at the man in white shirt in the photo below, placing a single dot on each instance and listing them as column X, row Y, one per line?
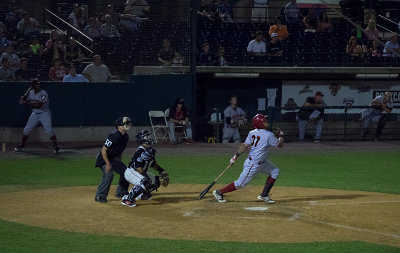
column 97, row 71
column 73, row 77
column 257, row 46
column 259, row 140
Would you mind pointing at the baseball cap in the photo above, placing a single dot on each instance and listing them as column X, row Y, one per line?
column 273, row 35
column 319, row 93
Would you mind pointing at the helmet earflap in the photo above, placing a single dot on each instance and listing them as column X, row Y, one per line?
column 144, row 137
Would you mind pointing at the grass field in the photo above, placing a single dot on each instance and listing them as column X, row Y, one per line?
column 373, row 171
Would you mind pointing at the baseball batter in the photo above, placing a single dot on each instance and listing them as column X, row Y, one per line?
column 234, row 117
column 109, row 160
column 259, row 140
column 38, row 99
column 143, row 183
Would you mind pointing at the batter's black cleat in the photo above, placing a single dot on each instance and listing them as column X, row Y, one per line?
column 19, row 148
column 100, row 199
column 219, row 196
column 56, row 149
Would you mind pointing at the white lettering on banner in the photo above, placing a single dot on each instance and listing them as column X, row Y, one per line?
column 395, row 95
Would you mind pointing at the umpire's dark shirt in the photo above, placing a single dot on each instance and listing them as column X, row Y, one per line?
column 115, row 144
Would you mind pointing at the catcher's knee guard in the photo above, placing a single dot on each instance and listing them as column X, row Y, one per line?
column 135, row 191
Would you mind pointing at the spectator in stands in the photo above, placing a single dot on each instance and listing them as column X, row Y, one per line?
column 357, row 31
column 354, row 49
column 224, row 11
column 292, row 12
column 259, row 12
column 3, row 41
column 206, row 58
column 28, row 26
column 23, row 73
column 57, row 72
column 73, row 77
column 178, row 116
column 7, row 73
column 177, row 60
column 35, row 48
column 375, row 50
column 279, row 29
column 222, row 61
column 22, row 48
column 13, row 17
column 274, row 47
column 257, row 46
column 206, row 10
column 97, row 71
column 83, row 16
column 114, row 16
column 371, row 32
column 130, row 21
column 392, row 47
column 379, row 108
column 108, row 29
column 3, row 27
column 323, row 22
column 166, row 54
column 310, row 21
column 138, row 8
column 92, row 30
column 73, row 17
column 13, row 58
column 73, row 51
column 55, row 49
column 234, row 117
column 312, row 110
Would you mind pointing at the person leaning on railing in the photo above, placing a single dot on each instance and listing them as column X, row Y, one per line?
column 312, row 110
column 380, row 106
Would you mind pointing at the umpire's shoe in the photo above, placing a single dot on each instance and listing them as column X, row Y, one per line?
column 100, row 199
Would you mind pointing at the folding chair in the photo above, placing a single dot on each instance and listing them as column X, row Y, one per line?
column 179, row 128
column 159, row 126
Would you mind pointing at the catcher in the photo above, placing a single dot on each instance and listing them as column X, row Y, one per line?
column 143, row 183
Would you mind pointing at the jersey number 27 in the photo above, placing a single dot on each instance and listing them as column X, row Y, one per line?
column 254, row 140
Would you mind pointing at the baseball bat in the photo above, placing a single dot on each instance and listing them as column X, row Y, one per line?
column 201, row 195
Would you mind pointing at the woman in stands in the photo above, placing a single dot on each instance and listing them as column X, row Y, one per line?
column 323, row 22
column 375, row 51
column 371, row 32
column 354, row 49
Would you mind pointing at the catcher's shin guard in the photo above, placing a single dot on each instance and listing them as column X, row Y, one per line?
column 135, row 191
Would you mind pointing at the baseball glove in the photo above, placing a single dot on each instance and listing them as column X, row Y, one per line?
column 164, row 179
column 278, row 132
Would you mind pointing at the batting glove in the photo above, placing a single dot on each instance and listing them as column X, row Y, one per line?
column 233, row 159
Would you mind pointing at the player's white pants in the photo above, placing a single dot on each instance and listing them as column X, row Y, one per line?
column 251, row 169
column 135, row 178
column 35, row 118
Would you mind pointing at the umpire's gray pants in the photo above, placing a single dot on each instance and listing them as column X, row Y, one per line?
column 107, row 178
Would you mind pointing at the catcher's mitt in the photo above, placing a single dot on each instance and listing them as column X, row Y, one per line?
column 278, row 132
column 164, row 179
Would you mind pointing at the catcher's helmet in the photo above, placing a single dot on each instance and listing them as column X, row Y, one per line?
column 144, row 137
column 124, row 121
column 258, row 121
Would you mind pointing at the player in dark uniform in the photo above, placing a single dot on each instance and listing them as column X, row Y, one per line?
column 109, row 160
column 143, row 182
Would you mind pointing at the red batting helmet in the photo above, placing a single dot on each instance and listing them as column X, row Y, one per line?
column 258, row 121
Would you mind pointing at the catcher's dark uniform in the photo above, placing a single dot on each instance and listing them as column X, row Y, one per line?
column 116, row 143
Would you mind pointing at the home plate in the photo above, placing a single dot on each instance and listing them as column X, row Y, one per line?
column 257, row 208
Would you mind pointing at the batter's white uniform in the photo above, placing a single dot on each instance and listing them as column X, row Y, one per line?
column 257, row 161
column 39, row 115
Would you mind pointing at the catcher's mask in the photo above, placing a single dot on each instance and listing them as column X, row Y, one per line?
column 126, row 122
column 258, row 121
column 144, row 137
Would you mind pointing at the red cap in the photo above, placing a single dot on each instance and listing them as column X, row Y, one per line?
column 319, row 93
